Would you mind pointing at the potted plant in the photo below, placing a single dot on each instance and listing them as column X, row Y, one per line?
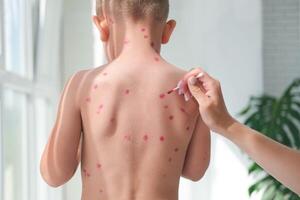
column 279, row 119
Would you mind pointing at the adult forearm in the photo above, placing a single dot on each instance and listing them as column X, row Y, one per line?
column 273, row 157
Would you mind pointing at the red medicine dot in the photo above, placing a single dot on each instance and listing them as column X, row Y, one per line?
column 98, row 165
column 162, row 138
column 171, row 117
column 127, row 91
column 162, row 96
column 145, row 137
column 183, row 110
column 88, row 99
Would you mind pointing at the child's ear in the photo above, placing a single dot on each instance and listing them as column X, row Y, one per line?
column 168, row 30
column 102, row 25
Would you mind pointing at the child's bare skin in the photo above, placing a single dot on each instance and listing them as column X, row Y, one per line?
column 136, row 140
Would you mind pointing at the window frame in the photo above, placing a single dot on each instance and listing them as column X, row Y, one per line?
column 32, row 89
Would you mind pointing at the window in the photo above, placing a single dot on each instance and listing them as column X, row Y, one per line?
column 14, row 145
column 27, row 99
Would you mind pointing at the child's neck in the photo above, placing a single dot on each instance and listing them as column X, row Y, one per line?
column 138, row 40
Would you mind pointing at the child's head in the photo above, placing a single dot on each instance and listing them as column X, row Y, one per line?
column 137, row 10
column 115, row 18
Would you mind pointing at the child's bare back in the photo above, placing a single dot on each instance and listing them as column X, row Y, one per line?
column 135, row 136
column 136, row 140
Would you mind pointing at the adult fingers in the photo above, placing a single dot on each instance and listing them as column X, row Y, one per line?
column 197, row 91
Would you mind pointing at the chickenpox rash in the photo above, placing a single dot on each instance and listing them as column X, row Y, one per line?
column 143, row 29
column 127, row 137
column 166, row 106
column 146, row 36
column 101, row 191
column 188, row 128
column 145, row 138
column 156, row 59
column 171, row 117
column 126, row 41
column 112, row 120
column 152, row 44
column 98, row 165
column 176, row 149
column 183, row 110
column 96, row 86
column 88, row 99
column 170, row 159
column 127, row 92
column 162, row 138
column 105, row 74
column 162, row 96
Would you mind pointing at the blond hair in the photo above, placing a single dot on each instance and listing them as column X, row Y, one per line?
column 135, row 9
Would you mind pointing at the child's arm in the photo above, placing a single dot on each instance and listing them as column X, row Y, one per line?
column 198, row 153
column 60, row 158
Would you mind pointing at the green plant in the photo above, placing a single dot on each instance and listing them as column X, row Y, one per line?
column 279, row 119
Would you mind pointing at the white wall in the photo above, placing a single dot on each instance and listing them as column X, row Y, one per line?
column 222, row 36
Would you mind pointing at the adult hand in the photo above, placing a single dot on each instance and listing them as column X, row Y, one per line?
column 207, row 92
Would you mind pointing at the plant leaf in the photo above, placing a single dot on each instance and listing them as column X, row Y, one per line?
column 254, row 168
column 257, row 186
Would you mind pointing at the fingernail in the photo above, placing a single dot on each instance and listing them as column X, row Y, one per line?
column 192, row 80
column 186, row 98
column 179, row 83
column 180, row 92
column 200, row 75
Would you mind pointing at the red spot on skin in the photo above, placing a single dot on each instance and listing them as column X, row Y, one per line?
column 100, row 191
column 176, row 149
column 170, row 159
column 188, row 128
column 164, row 175
column 100, row 106
column 98, row 165
column 84, row 170
column 126, row 42
column 95, row 86
column 127, row 137
column 143, row 29
column 166, row 107
column 182, row 110
column 152, row 44
column 162, row 138
column 105, row 74
column 127, row 91
column 156, row 59
column 88, row 174
column 112, row 120
column 162, row 96
column 171, row 117
column 145, row 138
column 146, row 36
column 88, row 99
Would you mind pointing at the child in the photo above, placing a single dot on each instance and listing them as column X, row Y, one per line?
column 135, row 139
